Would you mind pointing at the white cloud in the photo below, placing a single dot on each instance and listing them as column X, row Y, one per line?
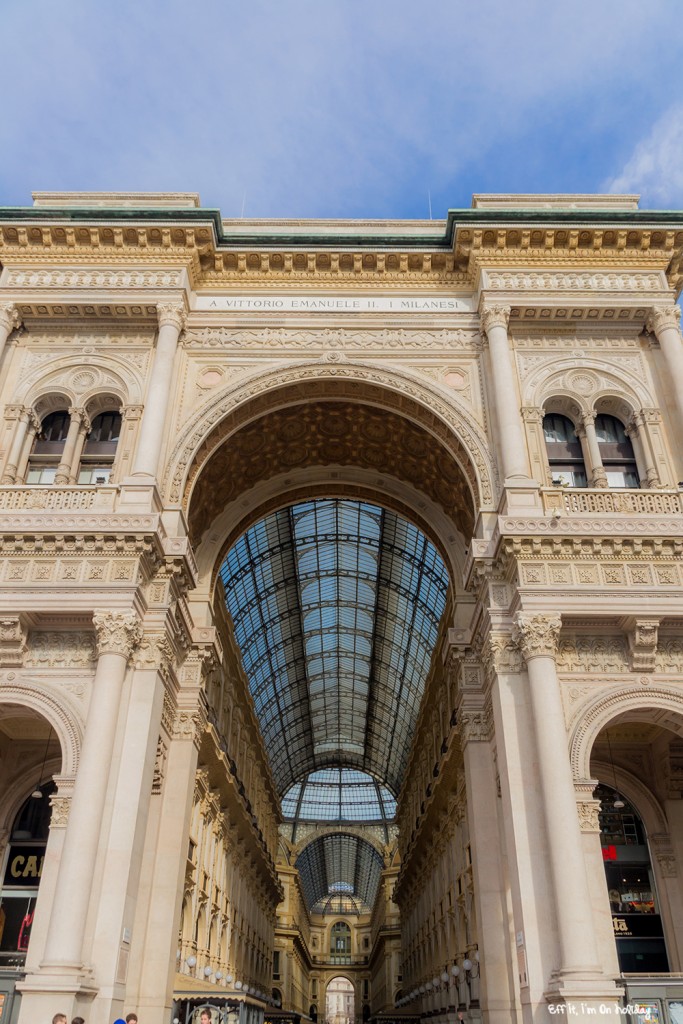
column 655, row 168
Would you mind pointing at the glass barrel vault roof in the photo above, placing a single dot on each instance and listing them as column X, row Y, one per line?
column 339, row 872
column 339, row 794
column 336, row 607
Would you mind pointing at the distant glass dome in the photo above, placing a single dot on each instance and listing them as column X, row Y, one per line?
column 339, row 794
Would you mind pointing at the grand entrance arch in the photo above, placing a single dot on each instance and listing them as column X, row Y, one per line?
column 331, row 522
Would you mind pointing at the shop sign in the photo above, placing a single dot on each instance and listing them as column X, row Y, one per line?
column 628, row 926
column 24, row 867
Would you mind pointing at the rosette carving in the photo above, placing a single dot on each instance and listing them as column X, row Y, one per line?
column 538, row 635
column 495, row 316
column 117, row 632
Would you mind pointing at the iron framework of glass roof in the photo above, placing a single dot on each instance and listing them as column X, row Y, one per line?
column 339, row 794
column 340, row 873
column 336, row 607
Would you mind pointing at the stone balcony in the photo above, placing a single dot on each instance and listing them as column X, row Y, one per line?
column 610, row 501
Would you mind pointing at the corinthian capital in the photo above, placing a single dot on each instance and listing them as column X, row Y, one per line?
column 538, row 635
column 117, row 632
column 495, row 316
column 9, row 316
column 662, row 317
column 171, row 313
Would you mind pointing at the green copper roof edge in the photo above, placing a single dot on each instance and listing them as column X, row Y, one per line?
column 455, row 219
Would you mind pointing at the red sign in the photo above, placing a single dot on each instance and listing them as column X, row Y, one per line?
column 609, row 853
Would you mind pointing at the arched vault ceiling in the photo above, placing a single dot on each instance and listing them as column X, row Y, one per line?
column 330, row 433
column 339, row 864
column 336, row 607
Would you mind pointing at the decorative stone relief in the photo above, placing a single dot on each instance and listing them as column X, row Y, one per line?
column 94, row 278
column 155, row 651
column 538, row 635
column 172, row 313
column 642, row 640
column 12, row 641
column 9, row 317
column 501, row 653
column 455, row 427
column 61, row 650
column 663, row 317
column 61, row 806
column 588, row 811
column 117, row 632
column 385, row 339
column 189, row 725
column 592, row 654
column 159, row 766
column 495, row 316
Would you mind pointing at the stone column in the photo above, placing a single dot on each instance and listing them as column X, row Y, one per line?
column 171, row 322
column 13, row 459
column 83, row 432
column 636, row 430
column 498, row 998
column 664, row 322
column 117, row 635
column 511, row 442
column 32, row 429
column 64, row 469
column 591, row 451
column 580, row 978
column 9, row 321
column 155, row 936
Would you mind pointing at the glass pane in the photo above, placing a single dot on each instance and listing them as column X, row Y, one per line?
column 568, row 476
column 622, row 477
column 611, row 430
column 41, row 474
column 559, row 428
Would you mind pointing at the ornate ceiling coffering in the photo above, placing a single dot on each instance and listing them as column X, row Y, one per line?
column 336, row 607
column 339, row 872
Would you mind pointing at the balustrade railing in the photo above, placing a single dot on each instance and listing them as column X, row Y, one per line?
column 611, row 501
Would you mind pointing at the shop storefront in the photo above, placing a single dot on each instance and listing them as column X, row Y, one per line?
column 21, row 872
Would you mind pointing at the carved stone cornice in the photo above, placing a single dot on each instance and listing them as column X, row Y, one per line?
column 117, row 632
column 9, row 317
column 172, row 313
column 495, row 316
column 663, row 317
column 538, row 636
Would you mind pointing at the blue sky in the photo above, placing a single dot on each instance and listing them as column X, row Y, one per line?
column 342, row 108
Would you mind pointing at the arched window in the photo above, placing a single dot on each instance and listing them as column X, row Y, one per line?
column 340, row 939
column 99, row 452
column 616, row 452
column 565, row 455
column 47, row 448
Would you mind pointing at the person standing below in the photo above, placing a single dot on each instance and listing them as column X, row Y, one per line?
column 132, row 1018
column 59, row 1018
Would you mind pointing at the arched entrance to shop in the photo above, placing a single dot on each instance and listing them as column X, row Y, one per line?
column 634, row 744
column 30, row 754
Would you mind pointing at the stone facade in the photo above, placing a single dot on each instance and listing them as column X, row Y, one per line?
column 410, row 364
